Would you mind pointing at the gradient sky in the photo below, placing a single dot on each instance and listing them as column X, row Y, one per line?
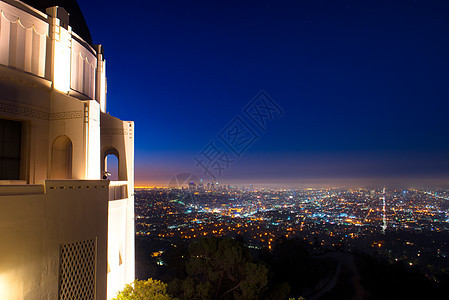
column 364, row 85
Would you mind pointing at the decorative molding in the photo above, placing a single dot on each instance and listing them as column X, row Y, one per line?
column 26, row 111
column 66, row 115
column 114, row 131
column 19, row 21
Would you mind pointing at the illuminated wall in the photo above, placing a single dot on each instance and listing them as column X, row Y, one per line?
column 51, row 217
column 53, row 84
column 23, row 40
column 119, row 136
column 83, row 69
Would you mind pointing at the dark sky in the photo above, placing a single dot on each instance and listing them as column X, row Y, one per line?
column 363, row 86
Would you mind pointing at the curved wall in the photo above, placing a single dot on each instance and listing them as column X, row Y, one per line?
column 42, row 45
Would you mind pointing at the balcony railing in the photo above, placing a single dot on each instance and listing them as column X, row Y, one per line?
column 118, row 190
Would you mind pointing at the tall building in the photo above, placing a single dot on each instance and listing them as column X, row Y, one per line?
column 65, row 232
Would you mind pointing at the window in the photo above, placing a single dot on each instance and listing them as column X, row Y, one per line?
column 10, row 148
column 111, row 162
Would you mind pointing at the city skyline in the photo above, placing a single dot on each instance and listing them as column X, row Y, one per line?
column 406, row 229
column 362, row 86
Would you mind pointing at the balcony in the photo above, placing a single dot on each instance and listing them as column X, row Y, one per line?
column 118, row 190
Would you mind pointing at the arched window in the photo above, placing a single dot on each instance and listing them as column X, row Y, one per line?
column 111, row 164
column 61, row 160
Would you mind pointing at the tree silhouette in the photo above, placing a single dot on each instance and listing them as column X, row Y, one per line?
column 220, row 268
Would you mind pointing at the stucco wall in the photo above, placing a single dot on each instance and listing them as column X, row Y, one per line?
column 42, row 85
column 33, row 227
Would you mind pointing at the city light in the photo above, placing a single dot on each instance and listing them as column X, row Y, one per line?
column 334, row 219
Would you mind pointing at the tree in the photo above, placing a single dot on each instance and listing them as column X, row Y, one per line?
column 221, row 268
column 144, row 290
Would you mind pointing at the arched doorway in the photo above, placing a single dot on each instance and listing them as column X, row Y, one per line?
column 61, row 160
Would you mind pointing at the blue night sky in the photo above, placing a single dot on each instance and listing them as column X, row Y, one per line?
column 363, row 86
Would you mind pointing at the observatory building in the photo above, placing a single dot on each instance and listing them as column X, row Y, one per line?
column 65, row 231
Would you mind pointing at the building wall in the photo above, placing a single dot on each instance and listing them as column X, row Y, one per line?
column 23, row 40
column 21, row 251
column 78, row 211
column 118, row 137
column 36, row 220
column 54, row 83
